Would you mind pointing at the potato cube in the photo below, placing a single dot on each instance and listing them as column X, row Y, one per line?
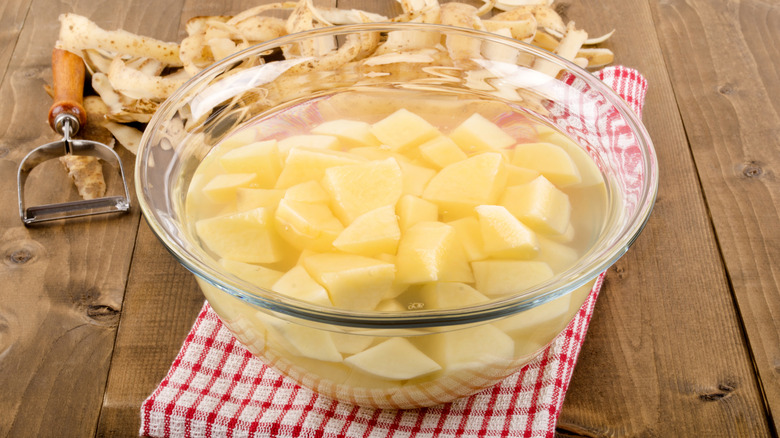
column 503, row 235
column 589, row 171
column 358, row 188
column 353, row 282
column 260, row 158
column 297, row 283
column 412, row 210
column 461, row 186
column 517, row 175
column 559, row 256
column 469, row 234
column 255, row 274
column 441, row 152
column 249, row 199
column 443, row 295
column 309, row 191
column 247, row 237
column 501, row 277
column 403, row 130
column 313, row 141
column 540, row 205
column 307, row 164
column 430, row 251
column 550, row 160
column 478, row 134
column 372, row 233
column 415, row 178
column 307, row 224
column 468, row 348
column 395, row 359
column 351, row 133
column 222, row 188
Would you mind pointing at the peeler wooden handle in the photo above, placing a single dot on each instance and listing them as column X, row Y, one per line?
column 68, row 74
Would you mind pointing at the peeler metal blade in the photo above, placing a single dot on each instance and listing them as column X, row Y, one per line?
column 72, row 209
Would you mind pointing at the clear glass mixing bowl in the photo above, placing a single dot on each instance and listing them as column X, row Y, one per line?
column 454, row 71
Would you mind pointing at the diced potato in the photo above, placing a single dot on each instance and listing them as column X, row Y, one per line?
column 589, row 172
column 390, row 305
column 540, row 205
column 412, row 210
column 222, row 188
column 382, row 360
column 358, row 188
column 559, row 256
column 297, row 283
column 461, row 186
column 415, row 178
column 441, row 152
column 548, row 159
column 307, row 224
column 351, row 133
column 566, row 237
column 468, row 348
column 403, row 130
column 313, row 141
column 469, row 234
column 503, row 235
column 430, row 251
column 478, row 134
column 501, row 277
column 519, row 175
column 255, row 274
column 309, row 191
column 249, row 199
column 260, row 158
column 304, row 341
column 348, row 343
column 551, row 314
column 444, row 295
column 247, row 237
column 306, row 164
column 374, row 232
column 240, row 138
column 353, row 282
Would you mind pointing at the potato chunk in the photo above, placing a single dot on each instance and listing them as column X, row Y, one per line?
column 550, row 160
column 359, row 188
column 353, row 282
column 461, row 186
column 540, row 205
column 403, row 130
column 501, row 277
column 430, row 251
column 478, row 134
column 247, row 237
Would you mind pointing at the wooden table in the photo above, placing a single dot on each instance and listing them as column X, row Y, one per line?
column 685, row 340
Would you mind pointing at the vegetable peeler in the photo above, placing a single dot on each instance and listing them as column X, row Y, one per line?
column 66, row 116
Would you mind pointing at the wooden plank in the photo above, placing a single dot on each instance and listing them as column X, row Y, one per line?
column 63, row 283
column 664, row 355
column 12, row 16
column 161, row 302
column 727, row 91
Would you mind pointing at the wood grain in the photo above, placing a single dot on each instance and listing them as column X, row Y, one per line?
column 12, row 16
column 631, row 379
column 727, row 92
column 63, row 283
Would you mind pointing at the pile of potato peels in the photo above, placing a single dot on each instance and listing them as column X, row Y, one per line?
column 133, row 74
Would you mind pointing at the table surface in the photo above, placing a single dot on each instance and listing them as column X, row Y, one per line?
column 685, row 340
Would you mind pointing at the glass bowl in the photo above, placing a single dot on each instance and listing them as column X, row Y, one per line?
column 397, row 355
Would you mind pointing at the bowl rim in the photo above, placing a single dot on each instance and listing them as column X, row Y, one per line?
column 496, row 308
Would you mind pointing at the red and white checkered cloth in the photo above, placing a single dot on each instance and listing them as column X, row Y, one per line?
column 217, row 388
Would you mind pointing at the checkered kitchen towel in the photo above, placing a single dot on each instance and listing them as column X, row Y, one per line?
column 216, row 388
